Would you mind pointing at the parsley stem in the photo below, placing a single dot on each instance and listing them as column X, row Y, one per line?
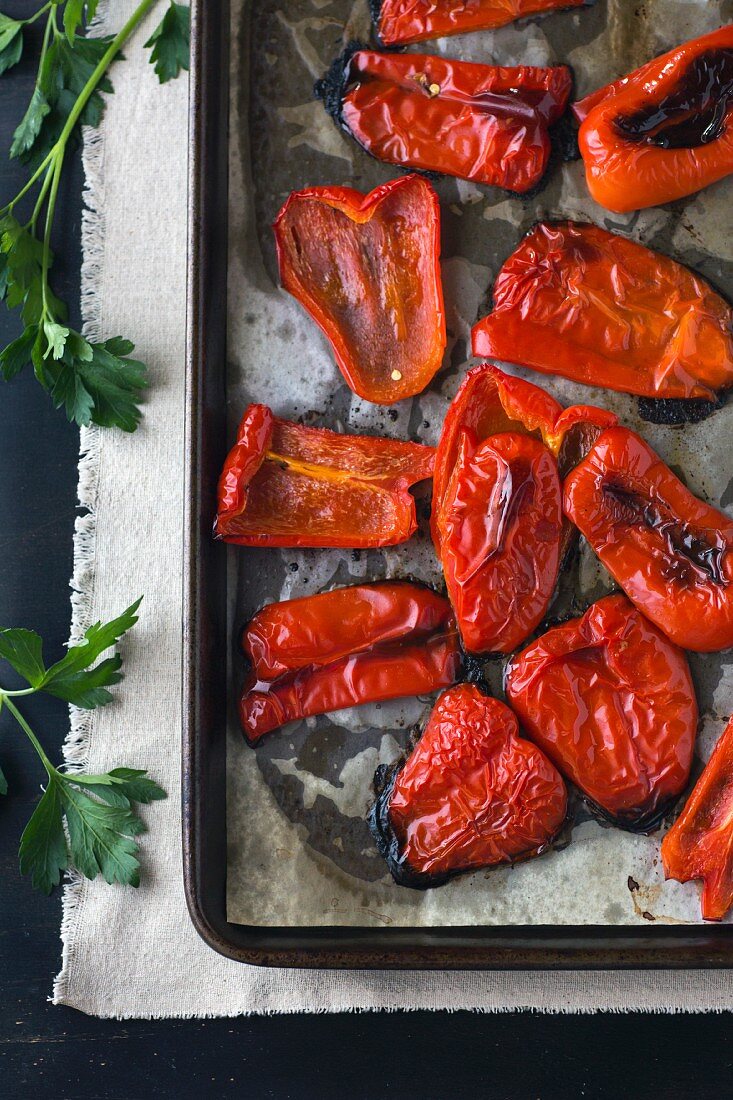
column 32, row 18
column 56, row 180
column 30, row 734
column 104, row 63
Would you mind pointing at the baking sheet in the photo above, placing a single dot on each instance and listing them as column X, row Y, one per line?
column 299, row 851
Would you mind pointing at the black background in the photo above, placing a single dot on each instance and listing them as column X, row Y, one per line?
column 54, row 1051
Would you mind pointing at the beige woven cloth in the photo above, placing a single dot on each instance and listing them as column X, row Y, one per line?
column 134, row 953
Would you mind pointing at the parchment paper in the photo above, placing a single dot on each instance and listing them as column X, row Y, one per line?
column 299, row 850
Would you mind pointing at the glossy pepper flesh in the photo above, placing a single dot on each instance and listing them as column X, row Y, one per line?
column 400, row 22
column 663, row 132
column 489, row 401
column 497, row 519
column 584, row 303
column 361, row 644
column 367, row 269
column 670, row 552
column 479, row 122
column 700, row 843
column 610, row 700
column 287, row 485
column 500, row 525
column 472, row 793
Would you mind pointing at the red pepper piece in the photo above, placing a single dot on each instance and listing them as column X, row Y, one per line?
column 611, row 702
column 488, row 402
column 665, row 130
column 497, row 521
column 361, row 644
column 700, row 843
column 578, row 301
column 478, row 122
column 670, row 552
column 366, row 268
column 400, row 22
column 286, row 485
column 471, row 794
column 500, row 526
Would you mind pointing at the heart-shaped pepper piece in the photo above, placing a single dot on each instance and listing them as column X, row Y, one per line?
column 472, row 793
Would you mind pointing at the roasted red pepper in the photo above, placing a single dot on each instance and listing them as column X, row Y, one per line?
column 361, row 644
column 286, row 485
column 700, row 843
column 497, row 515
column 663, row 132
column 478, row 122
column 366, row 267
column 471, row 793
column 611, row 702
column 500, row 526
column 489, row 402
column 400, row 22
column 578, row 301
column 670, row 552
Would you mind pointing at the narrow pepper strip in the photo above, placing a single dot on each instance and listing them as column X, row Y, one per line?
column 610, row 700
column 578, row 301
column 670, row 552
column 361, row 644
column 367, row 270
column 664, row 131
column 479, row 122
column 472, row 793
column 700, row 843
column 401, row 22
column 288, row 485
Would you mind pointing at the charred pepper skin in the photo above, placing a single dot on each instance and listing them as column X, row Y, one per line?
column 287, row 485
column 360, row 644
column 402, row 22
column 367, row 270
column 578, row 301
column 700, row 843
column 478, row 122
column 610, row 700
column 664, row 131
column 670, row 552
column 471, row 793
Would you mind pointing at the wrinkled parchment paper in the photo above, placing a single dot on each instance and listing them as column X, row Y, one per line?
column 298, row 847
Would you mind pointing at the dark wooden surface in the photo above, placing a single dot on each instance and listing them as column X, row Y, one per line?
column 57, row 1052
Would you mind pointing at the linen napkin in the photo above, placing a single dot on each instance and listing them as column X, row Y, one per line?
column 134, row 953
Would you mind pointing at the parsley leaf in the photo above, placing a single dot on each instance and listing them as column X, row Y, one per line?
column 101, row 822
column 17, row 355
column 91, row 381
column 77, row 12
column 100, row 836
column 11, row 42
column 170, row 42
column 29, row 128
column 23, row 649
column 43, row 852
column 67, row 69
column 72, row 678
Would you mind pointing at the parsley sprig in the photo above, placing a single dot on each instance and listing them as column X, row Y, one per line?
column 94, row 382
column 88, row 821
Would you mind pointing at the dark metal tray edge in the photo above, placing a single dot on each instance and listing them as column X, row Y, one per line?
column 205, row 646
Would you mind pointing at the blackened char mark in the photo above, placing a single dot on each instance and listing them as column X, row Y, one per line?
column 693, row 114
column 677, row 410
column 688, row 548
